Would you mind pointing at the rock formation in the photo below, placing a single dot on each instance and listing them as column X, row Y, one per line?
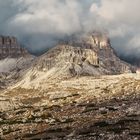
column 9, row 47
column 88, row 55
column 14, row 60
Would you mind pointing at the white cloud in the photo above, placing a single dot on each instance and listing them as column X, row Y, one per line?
column 49, row 16
column 121, row 19
column 125, row 11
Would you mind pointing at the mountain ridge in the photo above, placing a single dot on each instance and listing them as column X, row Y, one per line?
column 10, row 47
column 97, row 47
column 91, row 55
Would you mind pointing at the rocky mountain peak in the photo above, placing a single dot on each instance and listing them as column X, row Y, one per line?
column 93, row 39
column 90, row 54
column 9, row 47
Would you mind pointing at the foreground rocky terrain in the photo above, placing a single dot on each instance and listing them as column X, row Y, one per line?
column 105, row 107
column 78, row 90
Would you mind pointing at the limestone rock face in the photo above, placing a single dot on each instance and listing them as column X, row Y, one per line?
column 88, row 55
column 9, row 47
column 14, row 60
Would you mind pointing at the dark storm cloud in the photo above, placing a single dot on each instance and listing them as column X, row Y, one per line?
column 39, row 24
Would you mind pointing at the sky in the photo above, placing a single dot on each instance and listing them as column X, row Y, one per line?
column 39, row 24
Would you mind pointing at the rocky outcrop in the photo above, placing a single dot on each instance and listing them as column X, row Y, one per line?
column 88, row 55
column 84, row 108
column 9, row 47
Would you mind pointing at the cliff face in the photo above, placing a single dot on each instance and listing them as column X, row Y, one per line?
column 88, row 55
column 9, row 47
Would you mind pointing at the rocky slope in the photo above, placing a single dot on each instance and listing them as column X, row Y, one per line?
column 105, row 107
column 88, row 55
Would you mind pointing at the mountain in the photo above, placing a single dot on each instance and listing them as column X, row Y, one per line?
column 13, row 59
column 79, row 89
column 90, row 55
column 86, row 55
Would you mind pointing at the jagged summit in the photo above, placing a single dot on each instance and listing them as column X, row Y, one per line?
column 9, row 47
column 96, row 38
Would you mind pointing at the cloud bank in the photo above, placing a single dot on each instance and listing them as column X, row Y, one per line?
column 39, row 24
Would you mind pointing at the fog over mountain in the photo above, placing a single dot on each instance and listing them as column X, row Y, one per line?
column 40, row 24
